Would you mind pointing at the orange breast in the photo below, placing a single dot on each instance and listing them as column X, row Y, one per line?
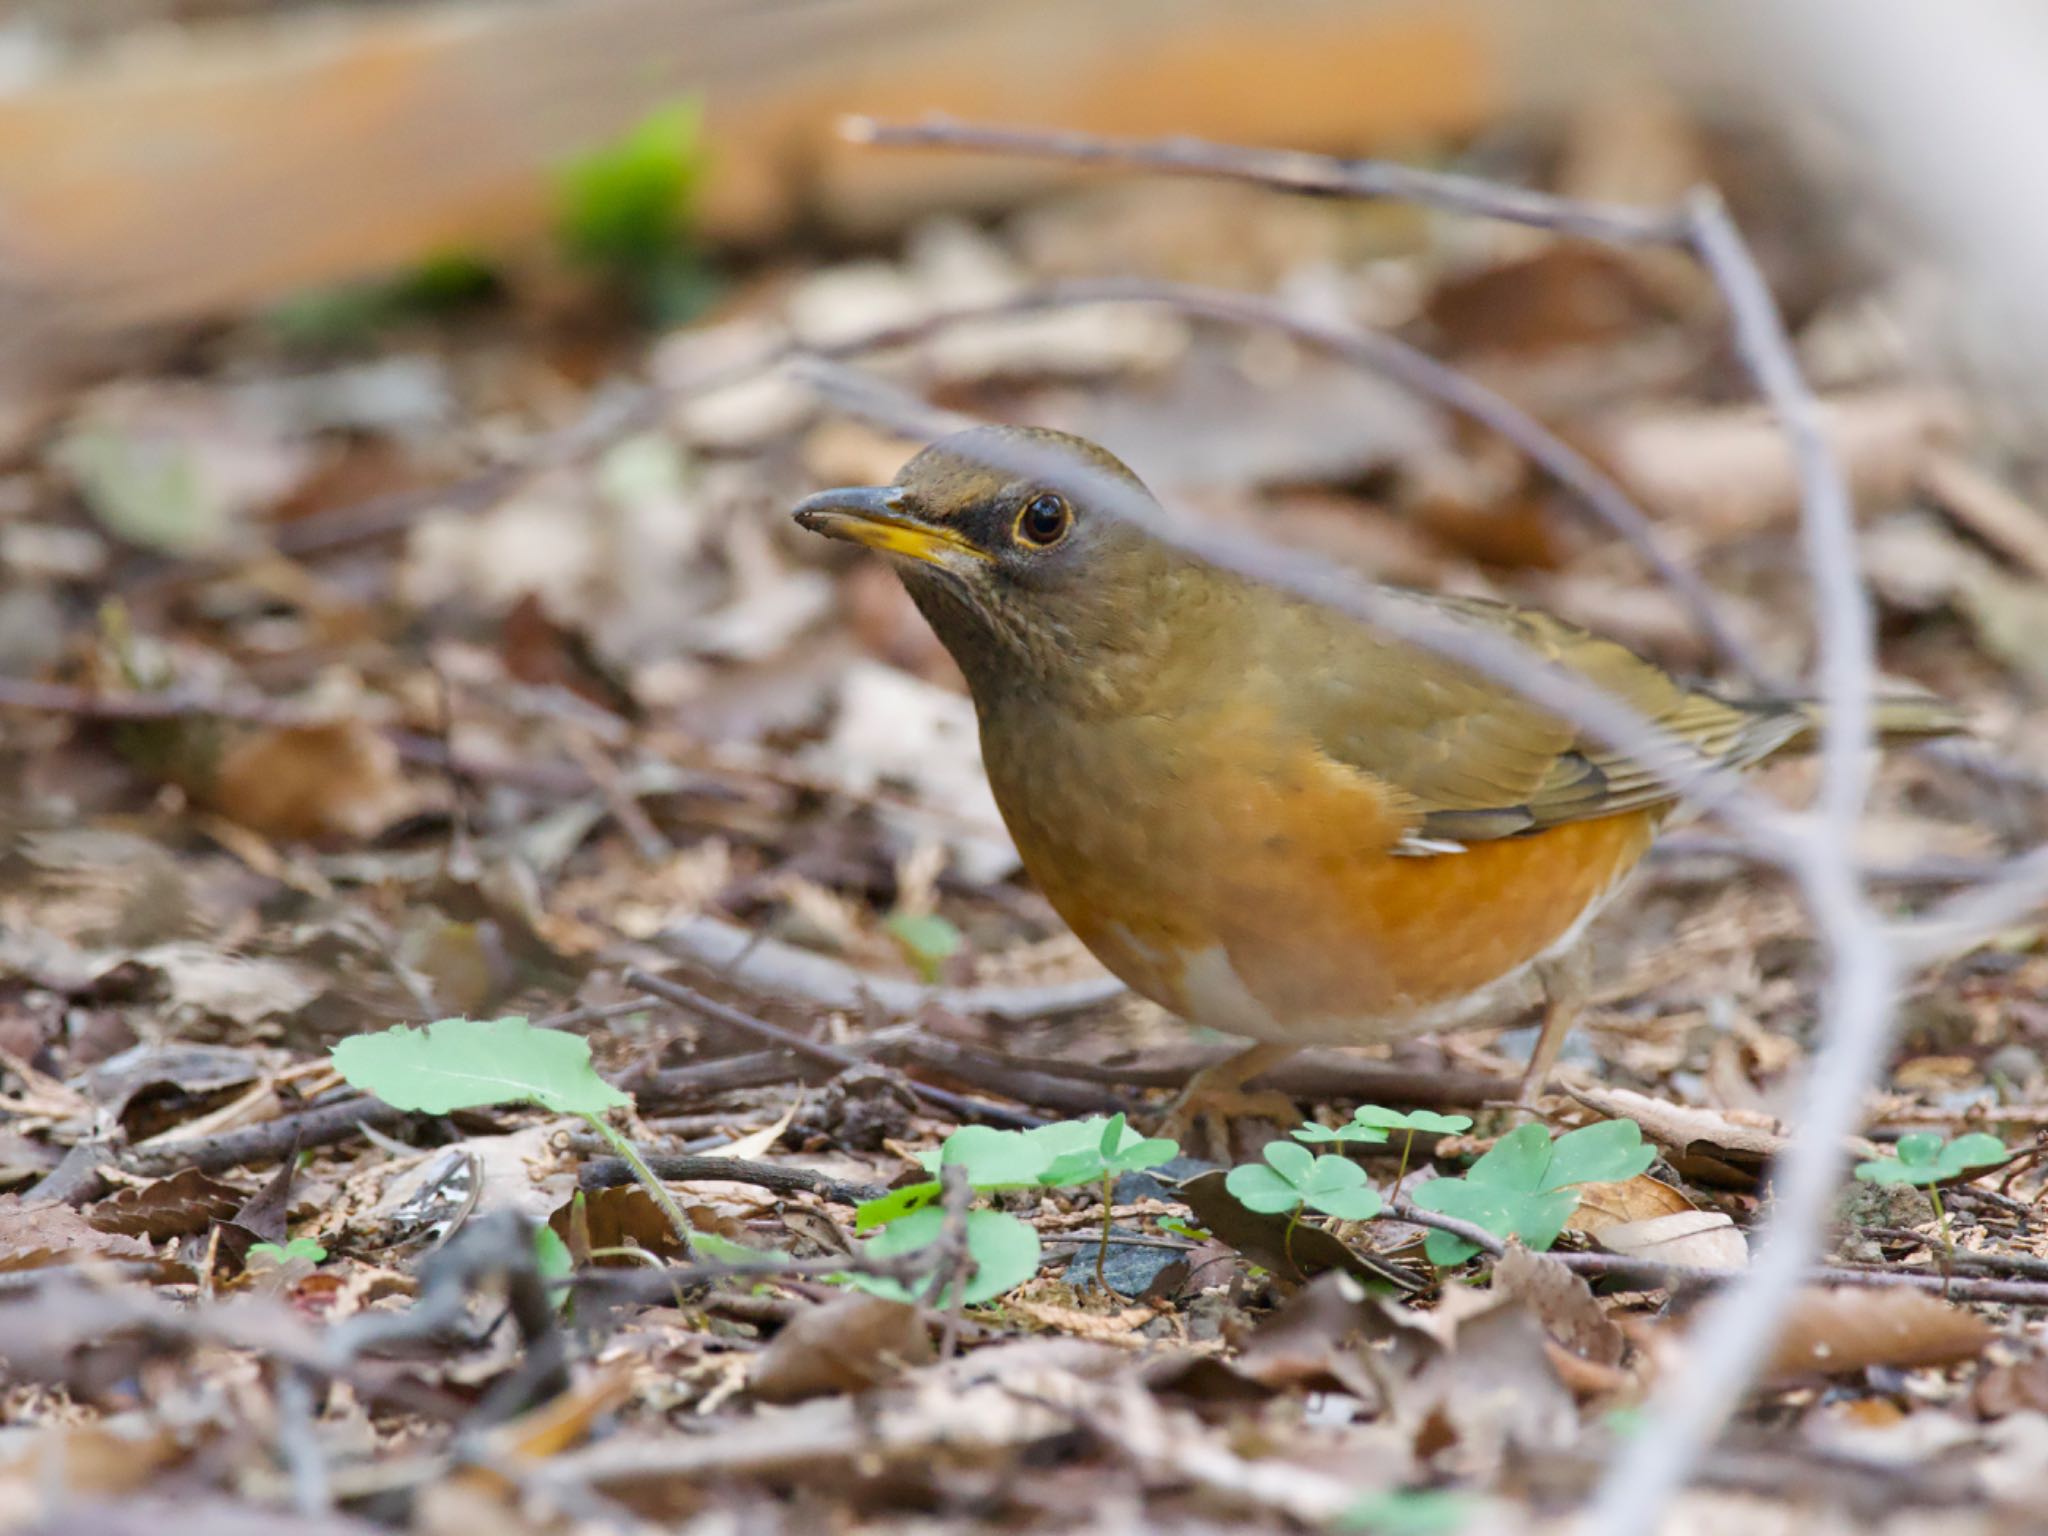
column 1253, row 887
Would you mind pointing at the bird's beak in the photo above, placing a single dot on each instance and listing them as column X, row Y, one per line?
column 878, row 517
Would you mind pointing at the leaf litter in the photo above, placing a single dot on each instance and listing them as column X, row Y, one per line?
column 613, row 714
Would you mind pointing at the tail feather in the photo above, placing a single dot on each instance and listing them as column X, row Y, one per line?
column 1902, row 718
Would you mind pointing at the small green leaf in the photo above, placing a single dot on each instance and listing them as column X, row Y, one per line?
column 710, row 1245
column 1337, row 1187
column 628, row 203
column 1409, row 1512
column 1977, row 1150
column 928, row 940
column 1920, row 1148
column 1605, row 1153
column 1517, row 1161
column 1535, row 1217
column 1322, row 1133
column 1294, row 1163
column 1258, row 1187
column 1924, row 1159
column 1373, row 1116
column 897, row 1203
column 993, row 1159
column 1146, row 1152
column 469, row 1063
column 551, row 1255
column 298, row 1248
column 1085, row 1151
column 1005, row 1252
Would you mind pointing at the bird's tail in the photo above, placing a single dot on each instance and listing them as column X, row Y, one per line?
column 1902, row 718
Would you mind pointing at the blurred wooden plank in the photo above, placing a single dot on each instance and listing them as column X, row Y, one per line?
column 240, row 162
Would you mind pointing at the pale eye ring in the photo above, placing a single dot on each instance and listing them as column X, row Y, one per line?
column 1044, row 520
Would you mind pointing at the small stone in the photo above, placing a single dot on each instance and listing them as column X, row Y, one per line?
column 1128, row 1268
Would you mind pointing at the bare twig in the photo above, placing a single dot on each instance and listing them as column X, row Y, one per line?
column 2032, row 1293
column 1863, row 965
column 605, row 1172
column 265, row 1143
column 710, row 1008
column 1861, row 991
column 1290, row 171
column 1375, row 353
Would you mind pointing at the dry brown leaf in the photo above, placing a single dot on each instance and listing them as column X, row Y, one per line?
column 339, row 779
column 1641, row 1198
column 1725, row 1146
column 1119, row 1327
column 847, row 1345
column 35, row 1234
column 1313, row 1341
column 1988, row 509
column 1726, row 471
column 1838, row 1330
column 183, row 1205
column 1707, row 1239
column 620, row 1217
column 1562, row 1302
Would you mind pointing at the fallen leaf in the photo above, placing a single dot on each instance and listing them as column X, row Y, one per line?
column 1707, row 1239
column 2008, row 1389
column 183, row 1205
column 1725, row 471
column 624, row 1216
column 1729, row 1149
column 35, row 1234
column 1265, row 1241
column 847, row 1345
column 1313, row 1341
column 1641, row 1198
column 1838, row 1330
column 340, row 779
column 1562, row 1301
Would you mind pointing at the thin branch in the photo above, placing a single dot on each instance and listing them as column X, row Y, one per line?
column 2032, row 1293
column 674, row 1168
column 1372, row 351
column 705, row 1007
column 2015, row 892
column 1288, row 171
column 1734, row 1339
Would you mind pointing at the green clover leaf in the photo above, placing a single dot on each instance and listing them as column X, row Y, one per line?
column 1291, row 1176
column 1924, row 1159
column 1524, row 1186
column 1005, row 1253
column 1426, row 1120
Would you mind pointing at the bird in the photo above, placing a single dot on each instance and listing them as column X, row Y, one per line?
column 1262, row 812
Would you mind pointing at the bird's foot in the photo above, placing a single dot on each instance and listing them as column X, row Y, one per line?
column 1217, row 1097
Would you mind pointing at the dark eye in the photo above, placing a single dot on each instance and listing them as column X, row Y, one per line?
column 1044, row 520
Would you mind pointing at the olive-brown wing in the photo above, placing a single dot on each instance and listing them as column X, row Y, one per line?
column 1476, row 760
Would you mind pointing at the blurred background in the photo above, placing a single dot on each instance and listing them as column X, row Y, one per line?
column 402, row 402
column 401, row 406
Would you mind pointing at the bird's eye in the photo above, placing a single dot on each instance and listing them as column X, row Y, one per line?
column 1044, row 520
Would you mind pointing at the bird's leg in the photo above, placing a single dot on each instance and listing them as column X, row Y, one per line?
column 1216, row 1095
column 1567, row 984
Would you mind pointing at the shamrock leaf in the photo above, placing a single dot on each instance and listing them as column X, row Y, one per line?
column 897, row 1203
column 298, row 1248
column 1291, row 1177
column 1523, row 1186
column 1110, row 1148
column 1924, row 1159
column 1351, row 1132
column 993, row 1159
column 1426, row 1120
column 1005, row 1252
